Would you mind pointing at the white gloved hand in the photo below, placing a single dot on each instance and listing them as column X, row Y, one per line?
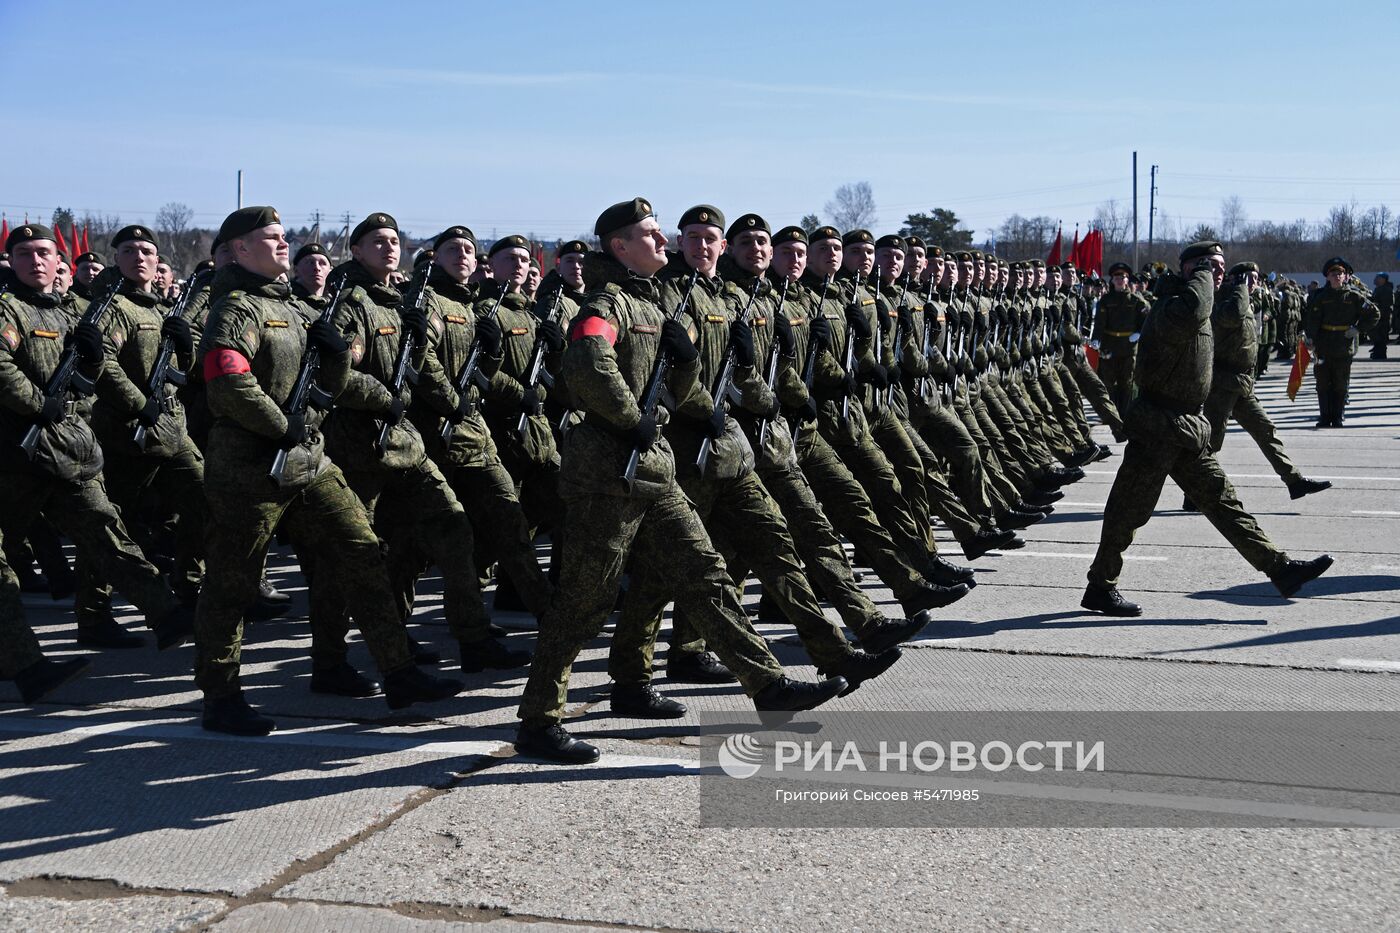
column 1353, row 333
column 1134, row 338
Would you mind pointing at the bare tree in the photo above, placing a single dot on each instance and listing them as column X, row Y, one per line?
column 173, row 222
column 1025, row 236
column 1232, row 218
column 1115, row 223
column 852, row 207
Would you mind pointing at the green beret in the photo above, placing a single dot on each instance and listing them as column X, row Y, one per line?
column 91, row 257
column 1037, row 263
column 1337, row 261
column 371, row 223
column 134, row 234
column 702, row 214
column 573, row 246
column 891, row 241
column 1244, row 268
column 934, row 252
column 454, row 233
column 26, row 233
column 977, row 254
column 514, row 241
column 310, row 249
column 1003, row 264
column 244, row 221
column 789, row 235
column 1200, row 250
column 747, row 223
column 1118, row 267
column 1066, row 266
column 622, row 214
column 824, row 233
column 913, row 241
column 857, row 236
column 962, row 255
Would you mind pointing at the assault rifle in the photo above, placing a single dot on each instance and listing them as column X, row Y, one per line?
column 471, row 369
column 403, row 366
column 651, row 393
column 809, row 365
column 305, row 391
column 724, row 382
column 770, row 368
column 536, row 374
column 162, row 372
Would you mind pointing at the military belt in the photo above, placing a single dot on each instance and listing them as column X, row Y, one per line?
column 1175, row 406
column 1338, row 326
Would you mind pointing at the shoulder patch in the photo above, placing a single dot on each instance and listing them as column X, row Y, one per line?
column 10, row 334
column 612, row 288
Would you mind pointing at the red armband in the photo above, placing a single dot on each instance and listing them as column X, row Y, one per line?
column 224, row 362
column 594, row 327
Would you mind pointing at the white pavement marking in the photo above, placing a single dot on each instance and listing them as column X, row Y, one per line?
column 1372, row 512
column 1369, row 665
column 1077, row 556
column 313, row 736
column 1378, row 479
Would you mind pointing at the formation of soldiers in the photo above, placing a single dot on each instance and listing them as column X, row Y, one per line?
column 673, row 420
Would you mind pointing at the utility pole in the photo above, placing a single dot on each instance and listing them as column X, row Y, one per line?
column 1151, row 207
column 1135, row 213
column 240, row 189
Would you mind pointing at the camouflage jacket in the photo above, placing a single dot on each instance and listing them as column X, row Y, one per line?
column 507, row 386
column 756, row 398
column 250, row 354
column 452, row 332
column 1236, row 339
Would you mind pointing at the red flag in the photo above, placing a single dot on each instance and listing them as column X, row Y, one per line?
column 1092, row 356
column 1054, row 258
column 62, row 246
column 4, row 231
column 1094, row 254
column 1075, row 250
column 1300, row 368
column 73, row 240
column 86, row 247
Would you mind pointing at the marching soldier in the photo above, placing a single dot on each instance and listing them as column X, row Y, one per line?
column 1334, row 318
column 252, row 355
column 87, row 266
column 614, row 343
column 1117, row 328
column 1383, row 295
column 1168, row 436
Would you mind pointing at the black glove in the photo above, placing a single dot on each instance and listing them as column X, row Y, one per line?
column 324, row 336
column 906, row 318
column 52, row 412
column 965, row 320
column 857, row 321
column 87, row 340
column 295, row 433
column 884, row 320
column 807, row 411
column 714, row 425
column 149, row 413
column 177, row 331
column 395, row 413
column 848, row 385
column 676, row 342
column 877, row 376
column 741, row 342
column 643, row 434
column 488, row 335
column 821, row 332
column 415, row 322
column 530, row 401
column 895, row 373
column 782, row 328
column 551, row 335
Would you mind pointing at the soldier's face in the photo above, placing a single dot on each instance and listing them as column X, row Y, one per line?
column 859, row 258
column 511, row 265
column 1020, row 278
column 532, row 281
column 571, row 270
column 378, row 251
column 825, row 257
column 1119, row 281
column 891, row 263
column 456, row 257
column 790, row 260
column 753, row 250
column 63, row 279
column 702, row 245
column 312, row 272
column 87, row 271
column 640, row 247
column 36, row 263
column 1337, row 276
column 1039, row 277
column 965, row 270
column 137, row 261
column 950, row 274
column 263, row 252
column 164, row 276
column 1053, row 277
column 979, row 271
column 222, row 256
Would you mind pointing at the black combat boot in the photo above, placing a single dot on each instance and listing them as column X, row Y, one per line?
column 1324, row 410
column 489, row 654
column 1047, row 497
column 947, row 573
column 1302, row 486
column 103, row 631
column 1014, row 520
column 409, row 685
column 1187, row 505
column 43, row 677
column 860, row 666
column 1104, row 453
column 936, row 595
column 884, row 635
column 985, row 541
column 691, row 667
column 343, row 681
column 644, row 701
column 792, row 696
column 1108, row 601
column 233, row 715
column 1290, row 576
column 421, row 653
column 270, row 604
column 175, row 628
column 553, row 743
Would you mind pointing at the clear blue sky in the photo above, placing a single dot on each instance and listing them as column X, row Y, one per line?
column 531, row 117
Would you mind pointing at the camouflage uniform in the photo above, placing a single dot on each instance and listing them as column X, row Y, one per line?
column 1168, row 436
column 64, row 480
column 251, row 352
column 613, row 347
column 1384, row 299
column 1077, row 363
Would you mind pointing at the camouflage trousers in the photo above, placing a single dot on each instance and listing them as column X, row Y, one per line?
column 663, row 537
column 174, row 485
column 1003, row 472
column 18, row 646
column 1039, row 412
column 746, row 525
column 332, row 530
column 888, row 432
column 1138, row 486
column 1068, row 418
column 1095, row 391
column 876, row 475
column 852, row 513
column 945, row 432
column 83, row 512
column 420, row 505
column 942, row 501
column 1224, row 403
